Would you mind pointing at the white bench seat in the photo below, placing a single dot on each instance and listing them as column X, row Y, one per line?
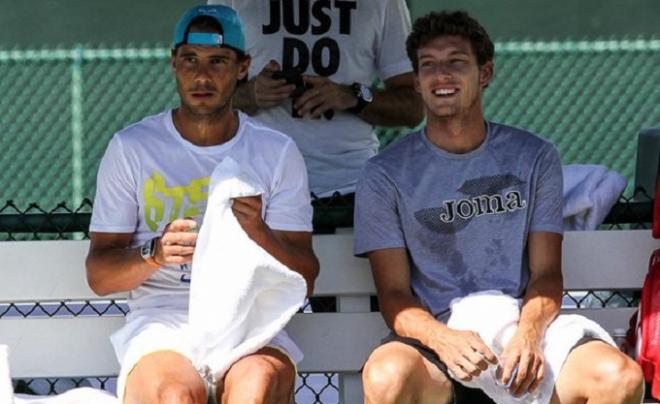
column 67, row 346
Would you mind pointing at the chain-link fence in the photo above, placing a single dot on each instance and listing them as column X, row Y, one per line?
column 33, row 222
column 61, row 106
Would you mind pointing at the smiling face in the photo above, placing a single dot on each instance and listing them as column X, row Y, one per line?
column 206, row 77
column 449, row 79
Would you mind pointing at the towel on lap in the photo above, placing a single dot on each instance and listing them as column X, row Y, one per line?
column 590, row 191
column 494, row 316
column 240, row 296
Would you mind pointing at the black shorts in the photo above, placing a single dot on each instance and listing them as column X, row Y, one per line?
column 461, row 394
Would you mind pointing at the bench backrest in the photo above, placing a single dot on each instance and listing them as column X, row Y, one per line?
column 53, row 271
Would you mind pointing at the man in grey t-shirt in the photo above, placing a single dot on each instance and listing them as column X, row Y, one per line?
column 463, row 206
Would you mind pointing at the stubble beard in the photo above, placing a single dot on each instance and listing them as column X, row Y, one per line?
column 457, row 110
column 204, row 112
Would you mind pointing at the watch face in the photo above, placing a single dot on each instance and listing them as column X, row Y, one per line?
column 365, row 91
column 146, row 250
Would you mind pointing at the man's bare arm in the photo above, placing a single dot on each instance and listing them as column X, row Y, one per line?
column 262, row 91
column 294, row 249
column 463, row 351
column 541, row 305
column 542, row 299
column 114, row 267
column 397, row 105
column 291, row 248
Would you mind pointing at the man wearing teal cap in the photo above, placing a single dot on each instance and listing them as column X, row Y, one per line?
column 153, row 177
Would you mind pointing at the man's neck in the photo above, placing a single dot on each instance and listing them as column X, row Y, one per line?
column 206, row 130
column 457, row 135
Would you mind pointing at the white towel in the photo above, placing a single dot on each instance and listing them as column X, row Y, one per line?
column 494, row 316
column 83, row 395
column 590, row 191
column 6, row 389
column 240, row 296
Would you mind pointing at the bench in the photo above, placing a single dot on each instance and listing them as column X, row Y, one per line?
column 78, row 346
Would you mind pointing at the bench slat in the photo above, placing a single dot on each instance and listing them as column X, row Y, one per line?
column 324, row 337
column 609, row 318
column 44, row 270
column 603, row 260
column 80, row 346
column 341, row 273
column 592, row 260
column 59, row 347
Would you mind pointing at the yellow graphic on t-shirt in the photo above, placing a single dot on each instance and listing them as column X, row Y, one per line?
column 182, row 201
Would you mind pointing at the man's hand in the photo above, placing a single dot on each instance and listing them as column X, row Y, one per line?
column 269, row 92
column 177, row 244
column 324, row 95
column 464, row 353
column 247, row 210
column 523, row 354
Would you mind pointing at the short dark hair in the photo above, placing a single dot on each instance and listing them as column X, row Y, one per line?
column 204, row 23
column 449, row 23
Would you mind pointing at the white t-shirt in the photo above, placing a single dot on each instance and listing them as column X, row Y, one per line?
column 150, row 175
column 347, row 41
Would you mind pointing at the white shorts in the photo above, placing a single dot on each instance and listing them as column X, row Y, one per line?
column 155, row 330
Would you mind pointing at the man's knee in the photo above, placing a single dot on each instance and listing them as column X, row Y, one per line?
column 383, row 376
column 164, row 377
column 392, row 378
column 599, row 372
column 180, row 393
column 261, row 376
column 623, row 376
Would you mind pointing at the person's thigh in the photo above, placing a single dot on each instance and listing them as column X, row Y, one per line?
column 164, row 375
column 599, row 373
column 399, row 373
column 266, row 376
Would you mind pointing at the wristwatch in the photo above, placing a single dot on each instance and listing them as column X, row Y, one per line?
column 148, row 251
column 364, row 96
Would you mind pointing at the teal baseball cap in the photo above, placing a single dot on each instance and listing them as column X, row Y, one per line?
column 232, row 36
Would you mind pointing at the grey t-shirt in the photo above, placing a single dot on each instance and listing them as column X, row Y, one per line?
column 464, row 218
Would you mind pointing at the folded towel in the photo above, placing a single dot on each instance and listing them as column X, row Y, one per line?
column 590, row 191
column 494, row 316
column 240, row 296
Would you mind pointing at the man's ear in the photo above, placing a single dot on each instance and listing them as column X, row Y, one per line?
column 416, row 85
column 173, row 59
column 243, row 67
column 486, row 74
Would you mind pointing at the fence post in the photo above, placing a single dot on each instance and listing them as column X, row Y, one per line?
column 76, row 125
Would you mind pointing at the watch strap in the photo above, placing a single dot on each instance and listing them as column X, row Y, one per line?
column 147, row 252
column 361, row 102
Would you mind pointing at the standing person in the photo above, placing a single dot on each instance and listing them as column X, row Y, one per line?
column 153, row 176
column 339, row 47
column 462, row 206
